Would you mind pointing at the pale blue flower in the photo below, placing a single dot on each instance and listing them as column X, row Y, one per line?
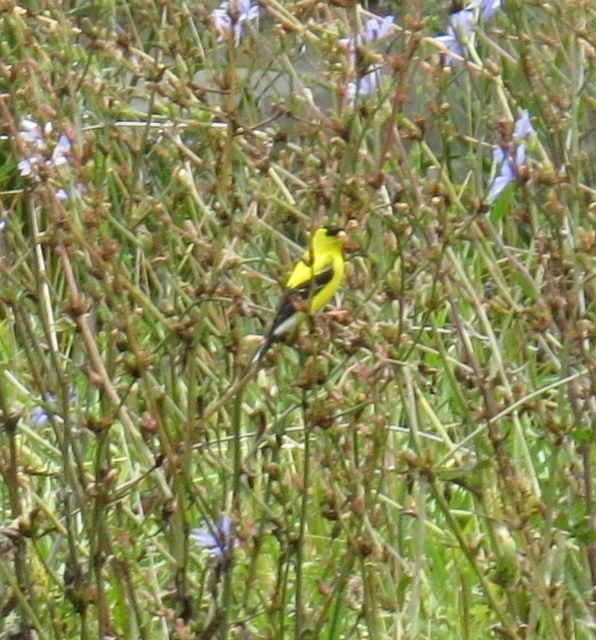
column 367, row 85
column 59, row 154
column 245, row 11
column 218, row 540
column 523, row 126
column 32, row 134
column 40, row 155
column 487, row 8
column 459, row 31
column 26, row 166
column 508, row 167
column 461, row 27
column 376, row 28
column 35, row 140
column 41, row 414
column 509, row 160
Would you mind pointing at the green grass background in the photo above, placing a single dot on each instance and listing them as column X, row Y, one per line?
column 420, row 468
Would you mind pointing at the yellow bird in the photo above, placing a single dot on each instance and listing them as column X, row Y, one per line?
column 313, row 282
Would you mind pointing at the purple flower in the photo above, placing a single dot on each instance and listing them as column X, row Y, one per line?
column 460, row 29
column 230, row 16
column 510, row 159
column 217, row 539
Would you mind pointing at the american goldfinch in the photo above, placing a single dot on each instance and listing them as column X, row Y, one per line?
column 313, row 282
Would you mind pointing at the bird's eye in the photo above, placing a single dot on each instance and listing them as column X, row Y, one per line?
column 333, row 231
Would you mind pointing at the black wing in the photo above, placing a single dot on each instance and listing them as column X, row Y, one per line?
column 295, row 299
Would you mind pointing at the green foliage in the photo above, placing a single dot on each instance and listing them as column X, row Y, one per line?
column 418, row 466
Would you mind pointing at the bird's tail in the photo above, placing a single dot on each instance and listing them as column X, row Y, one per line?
column 262, row 350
